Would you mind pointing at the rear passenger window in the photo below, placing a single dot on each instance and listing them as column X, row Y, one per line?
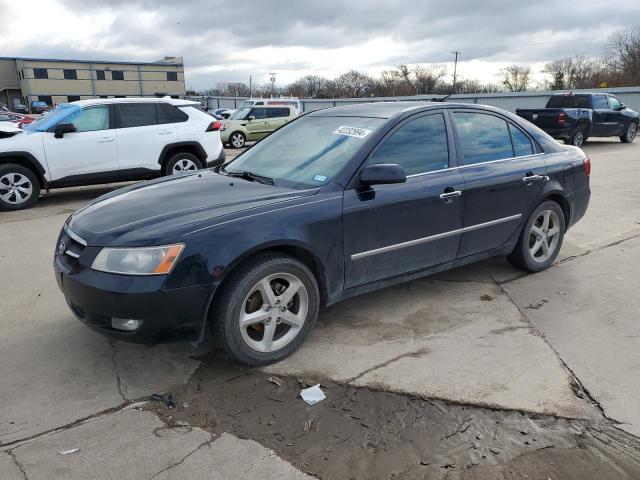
column 137, row 114
column 521, row 144
column 484, row 137
column 419, row 146
column 278, row 112
column 170, row 114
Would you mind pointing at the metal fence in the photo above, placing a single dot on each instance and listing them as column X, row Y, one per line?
column 630, row 96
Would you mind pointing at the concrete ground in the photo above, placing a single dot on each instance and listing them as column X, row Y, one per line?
column 563, row 342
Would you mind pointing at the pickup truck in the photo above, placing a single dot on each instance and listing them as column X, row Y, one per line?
column 576, row 117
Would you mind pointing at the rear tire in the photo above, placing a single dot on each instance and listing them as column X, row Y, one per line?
column 578, row 137
column 541, row 238
column 19, row 187
column 256, row 326
column 630, row 135
column 182, row 162
column 237, row 140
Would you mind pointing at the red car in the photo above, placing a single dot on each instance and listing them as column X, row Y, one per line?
column 16, row 118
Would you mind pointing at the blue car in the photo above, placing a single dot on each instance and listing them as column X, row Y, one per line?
column 336, row 203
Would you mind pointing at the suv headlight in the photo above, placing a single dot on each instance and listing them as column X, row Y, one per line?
column 138, row 261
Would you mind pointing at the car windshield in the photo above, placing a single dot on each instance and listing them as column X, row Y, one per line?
column 52, row 118
column 307, row 152
column 240, row 114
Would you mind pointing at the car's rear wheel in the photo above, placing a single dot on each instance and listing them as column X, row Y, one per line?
column 266, row 309
column 630, row 135
column 578, row 137
column 541, row 238
column 19, row 187
column 182, row 162
column 237, row 140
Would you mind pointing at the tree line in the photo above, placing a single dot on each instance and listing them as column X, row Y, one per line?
column 619, row 66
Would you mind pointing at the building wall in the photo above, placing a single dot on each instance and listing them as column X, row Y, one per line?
column 139, row 79
column 9, row 85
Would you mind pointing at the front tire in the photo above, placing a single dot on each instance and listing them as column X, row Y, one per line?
column 541, row 238
column 266, row 309
column 19, row 187
column 182, row 162
column 630, row 135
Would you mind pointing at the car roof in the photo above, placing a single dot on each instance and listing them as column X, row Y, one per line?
column 172, row 101
column 382, row 109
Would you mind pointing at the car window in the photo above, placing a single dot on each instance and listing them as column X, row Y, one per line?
column 278, row 112
column 600, row 102
column 614, row 103
column 90, row 119
column 522, row 146
column 418, row 146
column 484, row 137
column 568, row 101
column 6, row 118
column 137, row 114
column 259, row 113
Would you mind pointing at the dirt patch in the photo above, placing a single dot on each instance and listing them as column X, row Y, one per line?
column 358, row 433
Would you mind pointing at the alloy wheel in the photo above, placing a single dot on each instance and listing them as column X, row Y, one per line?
column 578, row 139
column 237, row 139
column 15, row 188
column 544, row 236
column 274, row 312
column 184, row 165
column 631, row 132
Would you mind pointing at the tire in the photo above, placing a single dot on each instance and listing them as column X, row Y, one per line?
column 237, row 140
column 19, row 187
column 630, row 135
column 182, row 162
column 242, row 298
column 525, row 255
column 578, row 137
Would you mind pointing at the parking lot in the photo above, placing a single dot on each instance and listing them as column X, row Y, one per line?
column 479, row 372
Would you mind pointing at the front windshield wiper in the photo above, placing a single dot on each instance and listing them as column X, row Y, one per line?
column 253, row 177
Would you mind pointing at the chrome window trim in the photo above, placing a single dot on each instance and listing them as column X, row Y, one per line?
column 438, row 236
column 475, row 164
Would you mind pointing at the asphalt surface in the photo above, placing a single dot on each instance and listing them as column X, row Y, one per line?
column 562, row 343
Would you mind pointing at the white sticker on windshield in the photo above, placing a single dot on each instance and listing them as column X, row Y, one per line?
column 356, row 132
column 320, row 178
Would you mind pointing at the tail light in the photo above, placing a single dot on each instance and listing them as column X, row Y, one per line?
column 562, row 118
column 214, row 126
column 587, row 166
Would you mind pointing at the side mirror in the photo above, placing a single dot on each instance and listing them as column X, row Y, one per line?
column 383, row 173
column 622, row 106
column 251, row 118
column 63, row 128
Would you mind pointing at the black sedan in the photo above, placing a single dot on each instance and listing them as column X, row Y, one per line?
column 334, row 204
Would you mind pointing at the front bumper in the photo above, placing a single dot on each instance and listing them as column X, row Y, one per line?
column 167, row 315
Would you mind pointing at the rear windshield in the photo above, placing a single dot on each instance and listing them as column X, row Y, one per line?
column 568, row 101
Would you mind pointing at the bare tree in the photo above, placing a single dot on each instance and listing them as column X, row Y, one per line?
column 623, row 54
column 427, row 78
column 516, row 78
column 574, row 72
column 354, row 84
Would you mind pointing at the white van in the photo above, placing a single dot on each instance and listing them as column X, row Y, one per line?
column 290, row 101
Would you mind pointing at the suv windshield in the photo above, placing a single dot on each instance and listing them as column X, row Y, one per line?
column 307, row 152
column 45, row 123
column 240, row 114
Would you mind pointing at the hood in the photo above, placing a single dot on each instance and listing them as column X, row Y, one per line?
column 162, row 210
column 8, row 129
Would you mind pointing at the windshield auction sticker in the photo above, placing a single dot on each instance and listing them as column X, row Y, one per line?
column 356, row 132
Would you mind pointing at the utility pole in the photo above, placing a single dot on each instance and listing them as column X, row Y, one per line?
column 455, row 69
column 272, row 78
column 250, row 87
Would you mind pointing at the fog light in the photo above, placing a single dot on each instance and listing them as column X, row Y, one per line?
column 128, row 324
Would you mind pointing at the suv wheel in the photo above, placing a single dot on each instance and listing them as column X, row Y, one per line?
column 237, row 140
column 19, row 187
column 630, row 134
column 266, row 309
column 541, row 238
column 182, row 162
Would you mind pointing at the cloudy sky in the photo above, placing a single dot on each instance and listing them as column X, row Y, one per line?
column 231, row 40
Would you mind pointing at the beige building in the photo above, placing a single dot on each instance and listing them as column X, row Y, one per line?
column 24, row 80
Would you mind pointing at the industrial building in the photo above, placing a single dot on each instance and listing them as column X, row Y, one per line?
column 54, row 81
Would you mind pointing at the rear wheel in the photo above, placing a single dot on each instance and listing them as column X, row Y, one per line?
column 630, row 135
column 19, row 187
column 237, row 140
column 578, row 137
column 182, row 162
column 541, row 238
column 266, row 309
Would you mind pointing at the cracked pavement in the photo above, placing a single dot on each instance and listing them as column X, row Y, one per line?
column 562, row 342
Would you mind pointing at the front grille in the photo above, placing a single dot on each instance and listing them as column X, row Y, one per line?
column 69, row 248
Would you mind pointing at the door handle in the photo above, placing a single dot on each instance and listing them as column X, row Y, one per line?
column 452, row 194
column 534, row 178
column 164, row 132
column 106, row 140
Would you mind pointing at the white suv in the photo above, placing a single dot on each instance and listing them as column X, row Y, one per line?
column 105, row 140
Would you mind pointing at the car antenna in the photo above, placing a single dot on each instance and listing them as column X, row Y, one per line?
column 441, row 99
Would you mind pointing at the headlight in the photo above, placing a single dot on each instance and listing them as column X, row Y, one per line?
column 138, row 261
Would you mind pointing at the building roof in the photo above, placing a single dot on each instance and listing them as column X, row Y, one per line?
column 158, row 62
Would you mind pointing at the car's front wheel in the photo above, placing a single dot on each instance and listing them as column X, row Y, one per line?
column 237, row 139
column 541, row 238
column 630, row 135
column 19, row 187
column 266, row 309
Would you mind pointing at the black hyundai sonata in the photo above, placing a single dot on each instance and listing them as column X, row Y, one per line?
column 334, row 204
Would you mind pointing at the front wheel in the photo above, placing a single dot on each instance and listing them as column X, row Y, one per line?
column 19, row 187
column 541, row 238
column 266, row 309
column 630, row 135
